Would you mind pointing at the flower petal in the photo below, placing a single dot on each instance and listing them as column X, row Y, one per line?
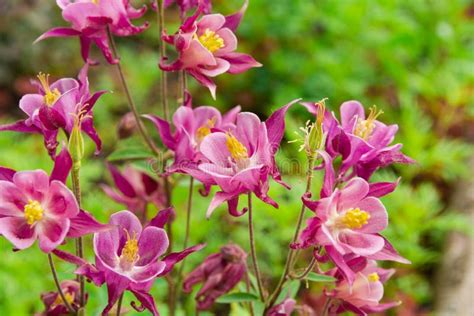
column 51, row 232
column 17, row 231
column 152, row 244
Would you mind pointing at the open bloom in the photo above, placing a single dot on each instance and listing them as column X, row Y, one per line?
column 128, row 258
column 363, row 296
column 219, row 273
column 58, row 106
column 90, row 19
column 191, row 126
column 136, row 190
column 349, row 222
column 207, row 47
column 187, row 5
column 35, row 206
column 242, row 159
column 54, row 304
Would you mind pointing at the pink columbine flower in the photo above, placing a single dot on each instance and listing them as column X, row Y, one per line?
column 285, row 308
column 187, row 5
column 58, row 106
column 242, row 159
column 54, row 304
column 35, row 206
column 363, row 296
column 191, row 126
column 218, row 273
column 207, row 47
column 128, row 258
column 136, row 190
column 349, row 222
column 90, row 19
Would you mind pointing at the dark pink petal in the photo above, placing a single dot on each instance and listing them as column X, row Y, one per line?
column 86, row 42
column 162, row 217
column 218, row 199
column 62, row 166
column 58, row 32
column 51, row 232
column 205, row 81
column 121, row 182
column 116, row 285
column 60, row 201
column 388, row 253
column 329, row 175
column 17, row 231
column 232, row 21
column 380, row 189
column 341, row 264
column 103, row 44
column 90, row 103
column 231, row 115
column 126, row 221
column 6, row 174
column 164, row 129
column 276, row 124
column 87, row 127
column 175, row 257
column 106, row 248
column 240, row 62
column 34, row 184
column 153, row 243
column 20, row 126
column 84, row 223
column 147, row 301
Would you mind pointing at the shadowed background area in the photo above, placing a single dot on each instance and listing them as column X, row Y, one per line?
column 413, row 59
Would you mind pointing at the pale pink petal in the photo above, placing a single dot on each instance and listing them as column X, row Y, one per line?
column 215, row 149
column 197, row 55
column 212, row 22
column 30, row 103
column 221, row 67
column 350, row 111
column 51, row 232
column 126, row 221
column 34, row 184
column 355, row 190
column 147, row 272
column 378, row 220
column 106, row 246
column 17, row 231
column 60, row 201
column 230, row 41
column 12, row 200
column 361, row 244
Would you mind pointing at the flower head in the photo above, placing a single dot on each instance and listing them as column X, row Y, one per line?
column 54, row 304
column 90, row 19
column 206, row 48
column 285, row 308
column 59, row 105
column 188, row 5
column 218, row 273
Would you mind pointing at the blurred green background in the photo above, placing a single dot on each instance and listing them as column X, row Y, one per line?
column 414, row 59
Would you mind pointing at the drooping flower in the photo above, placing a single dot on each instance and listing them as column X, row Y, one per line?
column 285, row 308
column 58, row 106
column 90, row 19
column 363, row 296
column 191, row 126
column 206, row 48
column 54, row 304
column 347, row 222
column 242, row 159
column 188, row 5
column 35, row 206
column 136, row 190
column 128, row 258
column 218, row 273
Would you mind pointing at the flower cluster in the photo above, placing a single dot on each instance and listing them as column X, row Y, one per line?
column 233, row 153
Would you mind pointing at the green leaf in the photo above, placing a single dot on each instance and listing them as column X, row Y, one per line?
column 129, row 154
column 290, row 289
column 238, row 297
column 314, row 277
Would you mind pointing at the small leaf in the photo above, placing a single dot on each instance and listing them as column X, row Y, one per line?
column 129, row 154
column 290, row 290
column 238, row 297
column 314, row 277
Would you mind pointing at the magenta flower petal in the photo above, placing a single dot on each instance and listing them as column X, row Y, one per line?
column 378, row 220
column 51, row 233
column 153, row 243
column 84, row 223
column 353, row 192
column 17, row 231
column 213, row 22
column 12, row 201
column 62, row 166
column 233, row 21
column 60, row 201
column 34, row 184
column 361, row 244
column 6, row 174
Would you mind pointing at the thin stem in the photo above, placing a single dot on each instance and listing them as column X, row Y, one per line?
column 141, row 128
column 308, row 269
column 160, row 15
column 188, row 223
column 247, row 286
column 326, row 307
column 290, row 256
column 76, row 188
column 119, row 304
column 58, row 285
column 253, row 250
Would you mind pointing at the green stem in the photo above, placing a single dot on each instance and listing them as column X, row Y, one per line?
column 326, row 307
column 253, row 251
column 290, row 256
column 308, row 269
column 141, row 128
column 160, row 15
column 188, row 224
column 119, row 304
column 58, row 285
column 76, row 188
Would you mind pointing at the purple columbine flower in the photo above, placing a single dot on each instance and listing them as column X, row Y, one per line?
column 349, row 221
column 89, row 21
column 191, row 126
column 188, row 5
column 218, row 273
column 128, row 258
column 136, row 190
column 58, row 106
column 35, row 206
column 207, row 47
column 285, row 308
column 242, row 159
column 54, row 304
column 363, row 296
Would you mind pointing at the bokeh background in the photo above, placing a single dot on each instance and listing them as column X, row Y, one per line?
column 413, row 59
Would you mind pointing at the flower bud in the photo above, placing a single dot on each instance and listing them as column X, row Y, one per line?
column 76, row 144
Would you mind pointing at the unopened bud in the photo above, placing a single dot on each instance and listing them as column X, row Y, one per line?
column 76, row 144
column 127, row 125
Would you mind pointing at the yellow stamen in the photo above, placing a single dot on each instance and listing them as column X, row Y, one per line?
column 68, row 296
column 130, row 249
column 354, row 218
column 33, row 212
column 237, row 149
column 211, row 40
column 364, row 128
column 50, row 96
column 373, row 277
column 95, row 1
column 205, row 130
